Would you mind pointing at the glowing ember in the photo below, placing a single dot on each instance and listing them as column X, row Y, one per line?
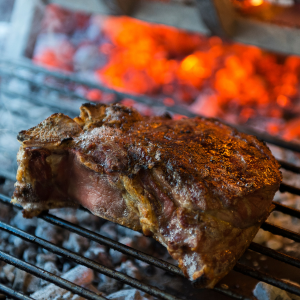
column 235, row 82
column 143, row 62
column 94, row 95
column 256, row 2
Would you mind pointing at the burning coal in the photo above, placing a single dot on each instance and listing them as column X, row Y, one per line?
column 238, row 83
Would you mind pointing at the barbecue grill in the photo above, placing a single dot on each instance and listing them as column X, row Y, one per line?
column 66, row 86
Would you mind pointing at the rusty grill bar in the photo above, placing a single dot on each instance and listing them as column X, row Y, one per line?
column 66, row 88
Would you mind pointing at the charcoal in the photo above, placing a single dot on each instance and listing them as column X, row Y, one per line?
column 264, row 291
column 293, row 296
column 109, row 230
column 30, row 255
column 7, row 247
column 69, row 296
column 129, row 269
column 87, row 57
column 76, row 243
column 128, row 241
column 108, row 285
column 9, row 272
column 4, row 236
column 20, row 280
column 98, row 253
column 262, row 236
column 79, row 275
column 116, row 256
column 274, row 244
column 92, row 288
column 68, row 214
column 22, row 223
column 124, row 231
column 130, row 294
column 25, row 282
column 143, row 243
column 18, row 245
column 20, row 86
column 33, row 283
column 2, row 275
column 42, row 258
column 66, row 267
column 147, row 270
column 5, row 211
column 85, row 218
column 48, row 232
column 52, row 268
column 49, row 292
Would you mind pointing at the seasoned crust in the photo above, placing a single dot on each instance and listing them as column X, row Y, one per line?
column 54, row 130
column 198, row 186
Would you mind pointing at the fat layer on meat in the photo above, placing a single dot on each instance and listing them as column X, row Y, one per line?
column 199, row 187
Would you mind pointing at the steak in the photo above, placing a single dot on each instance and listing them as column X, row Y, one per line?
column 198, row 186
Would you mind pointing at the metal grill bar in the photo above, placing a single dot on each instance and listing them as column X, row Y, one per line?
column 289, row 188
column 287, row 210
column 13, row 294
column 289, row 167
column 287, row 286
column 275, row 254
column 281, row 231
column 29, row 268
column 231, row 293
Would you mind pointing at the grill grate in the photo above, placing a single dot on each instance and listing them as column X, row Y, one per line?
column 67, row 84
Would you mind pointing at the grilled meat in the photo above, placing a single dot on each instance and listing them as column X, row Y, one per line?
column 197, row 186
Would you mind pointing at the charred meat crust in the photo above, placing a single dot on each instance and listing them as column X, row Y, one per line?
column 198, row 186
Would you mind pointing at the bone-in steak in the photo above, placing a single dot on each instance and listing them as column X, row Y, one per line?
column 197, row 186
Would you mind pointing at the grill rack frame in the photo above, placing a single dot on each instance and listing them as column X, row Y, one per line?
column 71, row 79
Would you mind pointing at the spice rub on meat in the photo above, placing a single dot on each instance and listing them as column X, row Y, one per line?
column 199, row 187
